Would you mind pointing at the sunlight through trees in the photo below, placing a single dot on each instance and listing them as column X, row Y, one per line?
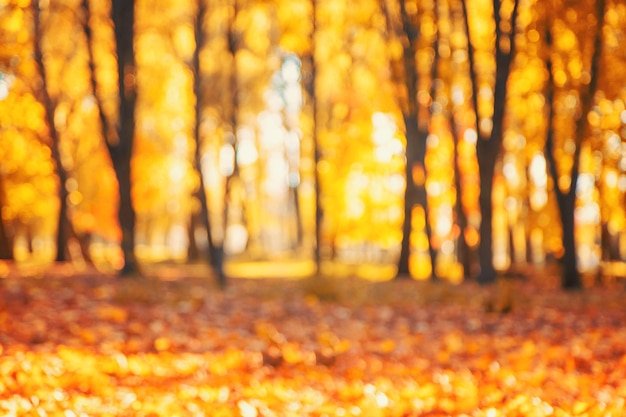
column 446, row 139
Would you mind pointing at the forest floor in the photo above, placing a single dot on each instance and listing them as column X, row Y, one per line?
column 87, row 344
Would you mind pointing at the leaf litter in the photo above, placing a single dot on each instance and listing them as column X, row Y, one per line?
column 93, row 345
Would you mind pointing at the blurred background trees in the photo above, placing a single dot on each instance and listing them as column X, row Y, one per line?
column 277, row 132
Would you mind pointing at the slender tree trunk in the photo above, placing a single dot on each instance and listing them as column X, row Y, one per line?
column 295, row 194
column 193, row 253
column 609, row 243
column 486, row 168
column 566, row 199
column 233, row 47
column 484, row 259
column 121, row 150
column 84, row 242
column 6, row 244
column 215, row 252
column 310, row 79
column 415, row 193
column 53, row 145
column 488, row 147
column 409, row 198
column 566, row 203
column 463, row 249
column 571, row 275
column 109, row 134
column 407, row 74
column 423, row 132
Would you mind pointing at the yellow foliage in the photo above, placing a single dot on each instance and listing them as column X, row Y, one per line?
column 353, row 82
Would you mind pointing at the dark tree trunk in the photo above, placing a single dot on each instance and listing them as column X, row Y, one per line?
column 6, row 244
column 485, row 251
column 571, row 275
column 63, row 230
column 406, row 74
column 463, row 249
column 295, row 195
column 566, row 203
column 233, row 46
column 84, row 242
column 488, row 147
column 121, row 149
column 6, row 247
column 486, row 168
column 215, row 253
column 421, row 197
column 109, row 134
column 193, row 253
column 566, row 199
column 415, row 152
column 511, row 243
column 409, row 198
column 609, row 243
column 423, row 132
column 309, row 79
column 29, row 238
column 126, row 215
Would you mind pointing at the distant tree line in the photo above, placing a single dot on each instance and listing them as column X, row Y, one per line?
column 421, row 84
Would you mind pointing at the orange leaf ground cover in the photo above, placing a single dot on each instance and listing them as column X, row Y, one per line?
column 92, row 345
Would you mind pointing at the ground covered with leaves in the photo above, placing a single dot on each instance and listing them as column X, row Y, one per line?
column 84, row 344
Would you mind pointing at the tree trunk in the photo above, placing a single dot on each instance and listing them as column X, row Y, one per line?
column 310, row 63
column 126, row 216
column 409, row 198
column 415, row 137
column 571, row 275
column 109, row 134
column 215, row 253
column 53, row 145
column 486, row 168
column 6, row 244
column 233, row 47
column 6, row 247
column 121, row 150
column 463, row 249
column 423, row 132
column 609, row 243
column 488, row 147
column 566, row 199
column 193, row 253
column 295, row 195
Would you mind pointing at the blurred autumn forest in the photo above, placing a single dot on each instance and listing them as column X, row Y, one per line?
column 437, row 139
